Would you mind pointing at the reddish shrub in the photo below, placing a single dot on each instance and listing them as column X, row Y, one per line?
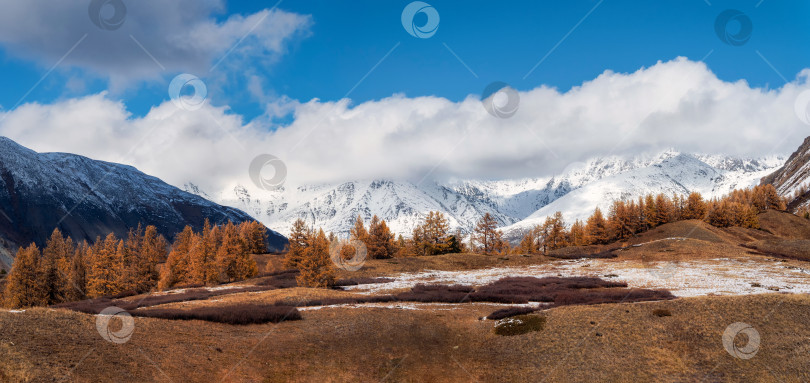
column 124, row 294
column 241, row 314
column 94, row 306
column 510, row 312
column 360, row 281
column 281, row 280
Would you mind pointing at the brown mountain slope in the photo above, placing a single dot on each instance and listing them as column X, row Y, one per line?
column 792, row 176
column 782, row 234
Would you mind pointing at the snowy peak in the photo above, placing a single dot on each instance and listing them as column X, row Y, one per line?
column 86, row 198
column 519, row 203
column 794, row 176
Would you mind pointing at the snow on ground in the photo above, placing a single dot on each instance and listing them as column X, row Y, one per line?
column 417, row 305
column 722, row 276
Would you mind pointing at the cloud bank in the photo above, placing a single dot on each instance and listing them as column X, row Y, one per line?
column 678, row 104
column 180, row 36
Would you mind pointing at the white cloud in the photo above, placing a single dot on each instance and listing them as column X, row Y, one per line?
column 678, row 104
column 182, row 36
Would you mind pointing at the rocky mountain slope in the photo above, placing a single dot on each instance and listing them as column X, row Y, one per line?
column 516, row 204
column 85, row 198
column 794, row 177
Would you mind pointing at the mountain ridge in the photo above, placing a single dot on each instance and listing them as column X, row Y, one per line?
column 515, row 204
column 86, row 198
column 792, row 180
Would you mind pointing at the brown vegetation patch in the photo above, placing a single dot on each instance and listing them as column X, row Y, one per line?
column 361, row 281
column 515, row 290
column 518, row 325
column 785, row 248
column 240, row 314
column 784, row 225
column 583, row 252
column 95, row 306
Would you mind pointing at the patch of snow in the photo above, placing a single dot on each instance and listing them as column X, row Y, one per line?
column 722, row 276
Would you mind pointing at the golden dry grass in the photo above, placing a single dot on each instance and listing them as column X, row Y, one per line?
column 611, row 342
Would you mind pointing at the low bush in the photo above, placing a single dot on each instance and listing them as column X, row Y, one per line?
column 514, row 290
column 280, row 280
column 662, row 313
column 124, row 294
column 520, row 324
column 510, row 312
column 360, row 281
column 95, row 306
column 241, row 314
column 596, row 296
column 437, row 293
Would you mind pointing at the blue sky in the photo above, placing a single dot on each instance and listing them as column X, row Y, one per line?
column 499, row 41
column 340, row 90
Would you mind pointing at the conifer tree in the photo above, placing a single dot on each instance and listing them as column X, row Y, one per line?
column 105, row 268
column 380, row 242
column 255, row 236
column 532, row 241
column 430, row 237
column 555, row 225
column 596, row 228
column 153, row 249
column 664, row 209
column 23, row 288
column 577, row 236
column 212, row 243
column 177, row 269
column 77, row 274
column 228, row 252
column 486, row 234
column 299, row 240
column 358, row 232
column 316, row 268
column 52, row 279
column 695, row 207
column 651, row 212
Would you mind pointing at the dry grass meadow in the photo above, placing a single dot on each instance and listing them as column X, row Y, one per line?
column 678, row 340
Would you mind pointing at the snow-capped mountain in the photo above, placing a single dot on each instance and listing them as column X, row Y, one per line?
column 86, row 198
column 516, row 204
column 677, row 174
column 794, row 177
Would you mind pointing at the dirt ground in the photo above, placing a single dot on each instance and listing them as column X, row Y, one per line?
column 679, row 340
column 611, row 342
